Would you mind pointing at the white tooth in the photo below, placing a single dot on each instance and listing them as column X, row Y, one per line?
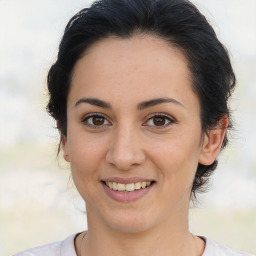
column 137, row 185
column 148, row 183
column 110, row 184
column 143, row 184
column 114, row 186
column 120, row 187
column 129, row 187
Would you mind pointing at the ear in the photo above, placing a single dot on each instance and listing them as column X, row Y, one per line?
column 63, row 143
column 212, row 142
column 64, row 146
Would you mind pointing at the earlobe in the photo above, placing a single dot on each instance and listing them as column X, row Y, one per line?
column 212, row 142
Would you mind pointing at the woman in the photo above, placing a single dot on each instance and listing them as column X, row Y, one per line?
column 140, row 94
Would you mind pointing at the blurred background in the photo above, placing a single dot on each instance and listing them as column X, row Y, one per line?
column 38, row 201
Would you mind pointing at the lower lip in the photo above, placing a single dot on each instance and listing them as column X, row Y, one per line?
column 122, row 196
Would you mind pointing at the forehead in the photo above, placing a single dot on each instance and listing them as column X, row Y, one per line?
column 139, row 67
column 140, row 50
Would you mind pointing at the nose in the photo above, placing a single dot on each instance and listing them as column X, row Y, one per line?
column 125, row 149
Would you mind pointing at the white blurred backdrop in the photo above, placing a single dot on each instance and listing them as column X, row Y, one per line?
column 38, row 201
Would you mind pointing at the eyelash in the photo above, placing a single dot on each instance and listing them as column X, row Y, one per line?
column 87, row 117
column 155, row 115
column 161, row 115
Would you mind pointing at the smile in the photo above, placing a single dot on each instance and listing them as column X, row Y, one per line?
column 128, row 187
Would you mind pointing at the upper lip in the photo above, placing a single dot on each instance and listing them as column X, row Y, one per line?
column 126, row 180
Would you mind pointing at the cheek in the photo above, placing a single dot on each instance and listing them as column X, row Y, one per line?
column 85, row 157
column 177, row 159
column 84, row 149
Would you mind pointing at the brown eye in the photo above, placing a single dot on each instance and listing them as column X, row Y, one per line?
column 159, row 121
column 98, row 120
column 95, row 121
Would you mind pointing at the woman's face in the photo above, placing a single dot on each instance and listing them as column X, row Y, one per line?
column 133, row 121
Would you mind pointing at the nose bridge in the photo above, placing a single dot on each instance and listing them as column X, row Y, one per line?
column 125, row 150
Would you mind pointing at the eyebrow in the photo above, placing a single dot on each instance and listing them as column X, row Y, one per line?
column 94, row 102
column 140, row 106
column 154, row 102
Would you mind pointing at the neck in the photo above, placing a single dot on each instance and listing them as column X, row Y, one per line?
column 169, row 238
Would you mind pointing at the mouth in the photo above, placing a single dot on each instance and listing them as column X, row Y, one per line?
column 130, row 187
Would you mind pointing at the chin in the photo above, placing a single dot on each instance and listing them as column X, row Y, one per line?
column 129, row 226
column 129, row 221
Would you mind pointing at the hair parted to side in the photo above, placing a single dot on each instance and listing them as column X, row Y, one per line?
column 178, row 22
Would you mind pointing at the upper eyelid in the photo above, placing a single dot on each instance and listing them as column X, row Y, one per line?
column 162, row 115
column 94, row 114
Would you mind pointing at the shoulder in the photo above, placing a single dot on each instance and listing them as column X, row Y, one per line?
column 60, row 248
column 51, row 249
column 212, row 249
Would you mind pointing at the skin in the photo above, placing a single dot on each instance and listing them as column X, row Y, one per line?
column 124, row 73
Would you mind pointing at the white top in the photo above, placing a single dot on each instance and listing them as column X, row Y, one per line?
column 67, row 248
